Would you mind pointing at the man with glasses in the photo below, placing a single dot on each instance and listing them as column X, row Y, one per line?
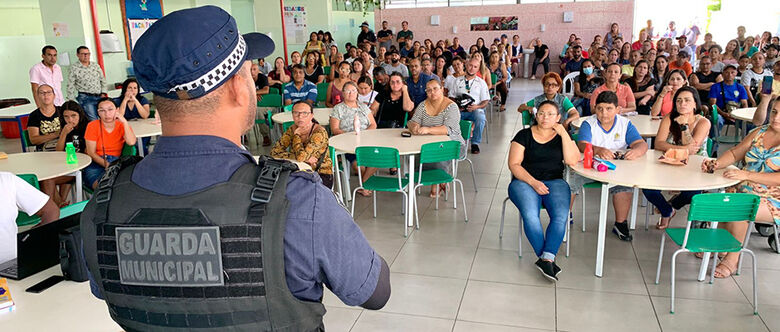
column 86, row 83
column 47, row 72
column 300, row 89
column 703, row 79
column 475, row 87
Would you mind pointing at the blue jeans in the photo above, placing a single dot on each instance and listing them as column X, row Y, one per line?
column 478, row 117
column 557, row 204
column 89, row 104
column 94, row 172
column 667, row 208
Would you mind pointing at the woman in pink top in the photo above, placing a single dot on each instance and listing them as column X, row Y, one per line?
column 334, row 95
column 626, row 100
column 673, row 81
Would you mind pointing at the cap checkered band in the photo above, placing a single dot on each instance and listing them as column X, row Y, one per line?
column 220, row 72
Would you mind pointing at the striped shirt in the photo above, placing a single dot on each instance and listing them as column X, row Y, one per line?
column 308, row 91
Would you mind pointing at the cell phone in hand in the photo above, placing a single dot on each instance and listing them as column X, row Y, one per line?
column 766, row 86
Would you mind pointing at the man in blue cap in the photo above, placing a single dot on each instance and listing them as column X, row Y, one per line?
column 197, row 235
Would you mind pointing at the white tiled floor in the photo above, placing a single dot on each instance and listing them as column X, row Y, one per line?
column 456, row 276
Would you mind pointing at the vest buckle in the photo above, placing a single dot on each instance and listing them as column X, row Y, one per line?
column 108, row 179
column 103, row 195
column 261, row 195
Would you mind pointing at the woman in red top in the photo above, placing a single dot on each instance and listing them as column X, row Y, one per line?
column 105, row 137
column 673, row 81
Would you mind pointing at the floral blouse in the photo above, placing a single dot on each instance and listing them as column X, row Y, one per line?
column 291, row 146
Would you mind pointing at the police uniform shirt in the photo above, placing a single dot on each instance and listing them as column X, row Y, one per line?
column 315, row 221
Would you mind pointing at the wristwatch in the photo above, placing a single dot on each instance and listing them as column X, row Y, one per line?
column 684, row 127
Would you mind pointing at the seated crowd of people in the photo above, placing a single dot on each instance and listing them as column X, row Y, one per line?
column 387, row 81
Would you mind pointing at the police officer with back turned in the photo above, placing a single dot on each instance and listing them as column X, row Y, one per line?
column 197, row 236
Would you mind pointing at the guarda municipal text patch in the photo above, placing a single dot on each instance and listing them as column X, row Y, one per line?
column 169, row 256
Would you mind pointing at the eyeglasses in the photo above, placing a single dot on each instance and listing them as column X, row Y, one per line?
column 349, row 91
column 546, row 114
column 551, row 84
column 299, row 114
column 436, row 88
column 44, row 93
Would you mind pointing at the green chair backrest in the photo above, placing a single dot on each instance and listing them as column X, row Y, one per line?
column 288, row 108
column 26, row 137
column 406, row 118
column 574, row 137
column 326, row 70
column 274, row 91
column 322, row 91
column 32, row 179
column 465, row 129
column 287, row 125
column 709, row 147
column 270, row 100
column 724, row 207
column 527, row 118
column 439, row 151
column 377, row 156
column 714, row 115
column 129, row 150
column 493, row 78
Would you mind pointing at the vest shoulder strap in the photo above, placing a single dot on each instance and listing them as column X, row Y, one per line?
column 104, row 189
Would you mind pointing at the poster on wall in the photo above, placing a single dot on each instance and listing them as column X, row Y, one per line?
column 61, row 29
column 493, row 23
column 138, row 16
column 295, row 24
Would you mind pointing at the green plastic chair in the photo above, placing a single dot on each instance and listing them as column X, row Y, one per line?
column 406, row 119
column 32, row 179
column 465, row 132
column 288, row 108
column 527, row 119
column 336, row 173
column 434, row 153
column 273, row 91
column 709, row 147
column 270, row 100
column 65, row 211
column 326, row 70
column 27, row 143
column 715, row 208
column 24, row 219
column 129, row 150
column 322, row 93
column 287, row 125
column 520, row 232
column 380, row 157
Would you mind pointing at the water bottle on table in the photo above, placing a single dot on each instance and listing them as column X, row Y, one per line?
column 70, row 151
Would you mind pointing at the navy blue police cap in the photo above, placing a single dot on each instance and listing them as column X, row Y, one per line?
column 190, row 52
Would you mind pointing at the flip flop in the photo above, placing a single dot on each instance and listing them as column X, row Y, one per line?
column 658, row 225
column 364, row 193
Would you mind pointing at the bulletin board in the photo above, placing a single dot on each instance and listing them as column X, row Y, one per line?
column 138, row 16
column 295, row 24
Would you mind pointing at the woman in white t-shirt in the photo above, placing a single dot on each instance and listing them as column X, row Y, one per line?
column 16, row 195
column 366, row 93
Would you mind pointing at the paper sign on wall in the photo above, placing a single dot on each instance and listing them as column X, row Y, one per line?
column 295, row 24
column 61, row 29
column 137, row 28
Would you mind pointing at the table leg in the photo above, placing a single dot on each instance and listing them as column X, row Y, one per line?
column 410, row 198
column 705, row 260
column 139, row 145
column 602, row 229
column 79, row 189
column 634, row 207
column 744, row 130
column 337, row 178
column 346, row 190
column 21, row 136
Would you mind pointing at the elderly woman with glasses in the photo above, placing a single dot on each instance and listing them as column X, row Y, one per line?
column 306, row 141
column 537, row 158
column 342, row 120
column 551, row 82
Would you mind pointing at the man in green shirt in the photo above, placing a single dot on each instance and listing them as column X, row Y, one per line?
column 405, row 35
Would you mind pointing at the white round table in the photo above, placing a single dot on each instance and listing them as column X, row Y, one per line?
column 322, row 115
column 648, row 172
column 144, row 128
column 745, row 115
column 646, row 125
column 15, row 114
column 390, row 138
column 46, row 165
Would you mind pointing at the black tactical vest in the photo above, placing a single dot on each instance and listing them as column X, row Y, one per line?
column 211, row 260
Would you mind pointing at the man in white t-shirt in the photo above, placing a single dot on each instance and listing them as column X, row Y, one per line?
column 608, row 133
column 475, row 87
column 15, row 195
column 753, row 77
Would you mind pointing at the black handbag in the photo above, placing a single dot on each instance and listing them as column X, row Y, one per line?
column 72, row 262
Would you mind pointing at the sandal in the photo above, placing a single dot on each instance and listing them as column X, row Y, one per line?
column 661, row 225
column 723, row 271
column 364, row 192
column 700, row 255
